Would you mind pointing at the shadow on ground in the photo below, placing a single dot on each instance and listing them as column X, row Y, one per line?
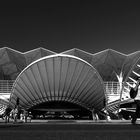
column 69, row 131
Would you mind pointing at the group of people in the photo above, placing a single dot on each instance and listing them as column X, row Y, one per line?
column 15, row 114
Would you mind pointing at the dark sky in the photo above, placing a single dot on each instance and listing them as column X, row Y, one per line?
column 62, row 25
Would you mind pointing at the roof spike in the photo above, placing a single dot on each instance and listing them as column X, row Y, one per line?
column 127, row 88
column 129, row 84
column 138, row 65
column 136, row 73
column 132, row 79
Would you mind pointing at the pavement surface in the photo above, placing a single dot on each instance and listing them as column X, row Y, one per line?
column 70, row 130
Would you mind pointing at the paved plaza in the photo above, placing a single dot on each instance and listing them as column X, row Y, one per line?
column 70, row 130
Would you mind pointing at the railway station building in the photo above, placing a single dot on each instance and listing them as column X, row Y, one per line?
column 74, row 82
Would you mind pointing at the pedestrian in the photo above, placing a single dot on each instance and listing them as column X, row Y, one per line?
column 136, row 92
column 94, row 115
column 25, row 115
column 21, row 116
column 15, row 114
column 7, row 114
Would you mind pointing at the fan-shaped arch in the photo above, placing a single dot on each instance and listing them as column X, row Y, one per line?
column 59, row 78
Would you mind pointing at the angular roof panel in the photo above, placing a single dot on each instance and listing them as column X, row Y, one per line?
column 70, row 52
column 17, row 58
column 35, row 54
column 4, row 58
column 12, row 63
column 80, row 53
column 32, row 55
column 45, row 52
column 108, row 63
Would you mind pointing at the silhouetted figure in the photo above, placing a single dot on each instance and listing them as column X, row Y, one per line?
column 25, row 115
column 15, row 114
column 7, row 114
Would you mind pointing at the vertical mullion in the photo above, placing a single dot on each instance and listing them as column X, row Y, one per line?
column 53, row 76
column 83, row 80
column 21, row 95
column 66, row 79
column 27, row 89
column 26, row 76
column 64, row 82
column 85, row 88
column 48, row 80
column 60, row 79
column 37, row 96
column 39, row 72
column 42, row 78
column 37, row 86
column 71, row 80
column 72, row 93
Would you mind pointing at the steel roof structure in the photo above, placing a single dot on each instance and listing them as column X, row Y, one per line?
column 104, row 66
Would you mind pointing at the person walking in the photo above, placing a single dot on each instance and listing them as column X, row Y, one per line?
column 25, row 116
column 15, row 114
column 136, row 91
column 7, row 114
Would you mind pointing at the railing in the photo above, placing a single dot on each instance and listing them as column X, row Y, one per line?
column 113, row 90
column 2, row 109
column 6, row 86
